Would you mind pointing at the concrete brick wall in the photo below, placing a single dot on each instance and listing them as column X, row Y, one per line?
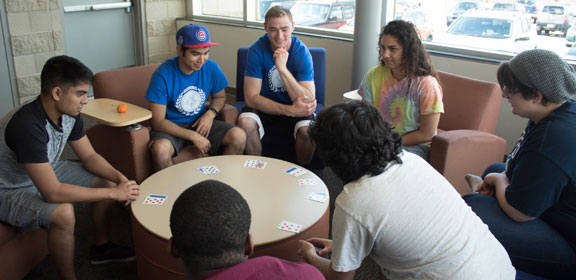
column 36, row 35
column 161, row 27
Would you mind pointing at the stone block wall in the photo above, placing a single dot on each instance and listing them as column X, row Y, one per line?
column 161, row 27
column 35, row 29
column 36, row 35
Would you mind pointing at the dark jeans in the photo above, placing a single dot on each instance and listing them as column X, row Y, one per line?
column 534, row 246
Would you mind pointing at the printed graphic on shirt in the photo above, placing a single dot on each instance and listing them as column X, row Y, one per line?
column 190, row 101
column 275, row 81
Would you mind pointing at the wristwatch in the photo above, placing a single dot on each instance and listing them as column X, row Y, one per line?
column 214, row 110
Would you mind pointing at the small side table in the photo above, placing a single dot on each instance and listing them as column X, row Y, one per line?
column 104, row 110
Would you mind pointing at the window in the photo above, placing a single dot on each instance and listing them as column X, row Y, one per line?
column 320, row 15
column 219, row 8
column 487, row 29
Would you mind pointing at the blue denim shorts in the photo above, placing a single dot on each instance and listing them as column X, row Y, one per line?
column 26, row 209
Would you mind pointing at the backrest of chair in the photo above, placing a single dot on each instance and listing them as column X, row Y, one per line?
column 318, row 60
column 240, row 68
column 469, row 103
column 126, row 84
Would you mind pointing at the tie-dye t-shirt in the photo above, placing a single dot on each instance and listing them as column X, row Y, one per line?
column 402, row 102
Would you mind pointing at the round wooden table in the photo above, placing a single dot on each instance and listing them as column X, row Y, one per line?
column 272, row 194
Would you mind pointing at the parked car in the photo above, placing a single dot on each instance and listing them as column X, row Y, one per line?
column 423, row 24
column 571, row 54
column 460, row 8
column 323, row 14
column 554, row 17
column 348, row 27
column 571, row 36
column 264, row 5
column 402, row 6
column 510, row 7
column 531, row 8
column 491, row 30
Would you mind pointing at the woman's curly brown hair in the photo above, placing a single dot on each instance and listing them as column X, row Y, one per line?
column 415, row 59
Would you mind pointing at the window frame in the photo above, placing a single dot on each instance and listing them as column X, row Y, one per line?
column 438, row 49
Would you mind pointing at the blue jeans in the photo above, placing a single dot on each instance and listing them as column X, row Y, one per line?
column 534, row 246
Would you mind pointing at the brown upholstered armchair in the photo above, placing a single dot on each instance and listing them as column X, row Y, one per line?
column 127, row 148
column 20, row 251
column 465, row 142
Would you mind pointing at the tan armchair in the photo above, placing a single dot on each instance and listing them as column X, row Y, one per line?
column 465, row 142
column 124, row 147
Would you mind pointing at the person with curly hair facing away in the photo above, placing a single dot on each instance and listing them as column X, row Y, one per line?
column 209, row 224
column 405, row 87
column 395, row 208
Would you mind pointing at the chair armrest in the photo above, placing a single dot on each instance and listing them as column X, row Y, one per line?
column 126, row 149
column 456, row 153
column 228, row 114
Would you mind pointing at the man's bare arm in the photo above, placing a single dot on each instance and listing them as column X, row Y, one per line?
column 299, row 107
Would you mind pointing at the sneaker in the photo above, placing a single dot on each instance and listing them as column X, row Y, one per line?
column 473, row 181
column 111, row 252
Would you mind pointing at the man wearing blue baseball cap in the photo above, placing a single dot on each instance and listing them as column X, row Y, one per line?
column 178, row 92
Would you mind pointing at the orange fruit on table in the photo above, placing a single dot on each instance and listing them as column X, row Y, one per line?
column 122, row 108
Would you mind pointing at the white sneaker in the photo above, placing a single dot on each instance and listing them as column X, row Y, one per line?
column 473, row 181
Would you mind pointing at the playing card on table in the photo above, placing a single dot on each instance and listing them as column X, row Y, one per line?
column 209, row 169
column 155, row 199
column 289, row 226
column 255, row 163
column 261, row 164
column 307, row 182
column 320, row 197
column 250, row 163
column 295, row 171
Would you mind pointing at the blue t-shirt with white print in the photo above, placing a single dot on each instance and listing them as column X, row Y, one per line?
column 260, row 64
column 184, row 95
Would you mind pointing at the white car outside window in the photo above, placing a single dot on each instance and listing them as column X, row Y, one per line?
column 491, row 30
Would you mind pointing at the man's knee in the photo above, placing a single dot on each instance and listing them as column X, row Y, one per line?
column 63, row 217
column 302, row 134
column 161, row 149
column 248, row 124
column 235, row 137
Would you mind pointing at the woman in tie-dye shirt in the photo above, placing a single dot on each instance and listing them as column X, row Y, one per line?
column 405, row 87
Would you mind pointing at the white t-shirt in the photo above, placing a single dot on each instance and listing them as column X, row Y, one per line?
column 414, row 225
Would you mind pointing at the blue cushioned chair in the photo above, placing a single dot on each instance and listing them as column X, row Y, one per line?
column 278, row 142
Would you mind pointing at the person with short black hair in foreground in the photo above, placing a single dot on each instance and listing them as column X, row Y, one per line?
column 395, row 208
column 210, row 223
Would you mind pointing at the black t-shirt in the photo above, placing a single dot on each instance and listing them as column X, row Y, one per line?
column 28, row 136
